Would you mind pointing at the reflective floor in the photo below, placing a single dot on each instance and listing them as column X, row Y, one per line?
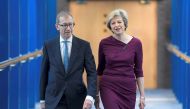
column 160, row 99
column 156, row 99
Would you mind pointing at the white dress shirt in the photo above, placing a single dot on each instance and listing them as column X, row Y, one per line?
column 62, row 46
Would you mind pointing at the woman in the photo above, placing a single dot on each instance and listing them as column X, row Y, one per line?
column 120, row 66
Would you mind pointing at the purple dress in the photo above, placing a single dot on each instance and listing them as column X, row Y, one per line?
column 119, row 64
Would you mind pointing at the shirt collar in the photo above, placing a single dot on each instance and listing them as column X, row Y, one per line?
column 69, row 39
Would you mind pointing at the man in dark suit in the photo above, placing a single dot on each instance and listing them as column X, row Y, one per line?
column 63, row 64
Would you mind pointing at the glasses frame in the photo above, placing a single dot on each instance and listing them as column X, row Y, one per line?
column 66, row 25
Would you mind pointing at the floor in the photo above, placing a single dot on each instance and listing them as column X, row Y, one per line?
column 158, row 99
column 155, row 99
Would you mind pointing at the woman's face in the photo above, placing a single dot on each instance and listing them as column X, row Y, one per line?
column 117, row 25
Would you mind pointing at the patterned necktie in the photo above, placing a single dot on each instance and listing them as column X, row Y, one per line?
column 66, row 56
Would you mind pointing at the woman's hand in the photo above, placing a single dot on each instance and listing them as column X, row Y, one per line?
column 142, row 102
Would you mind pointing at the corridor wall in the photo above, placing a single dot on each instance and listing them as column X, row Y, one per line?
column 180, row 37
column 3, row 52
column 25, row 25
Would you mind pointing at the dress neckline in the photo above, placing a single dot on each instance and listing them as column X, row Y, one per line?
column 121, row 41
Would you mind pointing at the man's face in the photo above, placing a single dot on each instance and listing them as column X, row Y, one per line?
column 65, row 26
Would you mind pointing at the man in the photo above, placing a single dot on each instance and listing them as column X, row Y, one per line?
column 63, row 63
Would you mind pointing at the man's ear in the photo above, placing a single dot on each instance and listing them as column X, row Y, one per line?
column 57, row 26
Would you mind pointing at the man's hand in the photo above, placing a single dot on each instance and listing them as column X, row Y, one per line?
column 97, row 102
column 42, row 105
column 87, row 104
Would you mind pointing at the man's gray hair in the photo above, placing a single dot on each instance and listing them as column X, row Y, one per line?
column 62, row 14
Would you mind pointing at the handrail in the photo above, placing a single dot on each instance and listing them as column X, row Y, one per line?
column 174, row 49
column 22, row 59
column 11, row 62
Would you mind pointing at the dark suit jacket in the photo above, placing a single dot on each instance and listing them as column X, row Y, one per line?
column 55, row 82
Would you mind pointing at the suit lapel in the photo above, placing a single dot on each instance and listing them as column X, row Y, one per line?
column 57, row 53
column 74, row 50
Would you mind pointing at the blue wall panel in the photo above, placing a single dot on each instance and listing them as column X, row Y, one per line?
column 3, row 53
column 187, row 46
column 3, row 30
column 23, row 10
column 23, row 99
column 13, row 31
column 32, row 42
column 180, row 38
column 42, row 22
column 4, row 89
column 51, row 18
column 25, row 25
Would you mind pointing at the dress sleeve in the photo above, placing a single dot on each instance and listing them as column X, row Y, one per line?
column 101, row 59
column 138, row 60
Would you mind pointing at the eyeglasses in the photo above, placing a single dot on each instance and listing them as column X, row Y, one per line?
column 65, row 25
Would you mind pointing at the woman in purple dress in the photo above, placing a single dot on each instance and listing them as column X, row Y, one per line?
column 120, row 66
